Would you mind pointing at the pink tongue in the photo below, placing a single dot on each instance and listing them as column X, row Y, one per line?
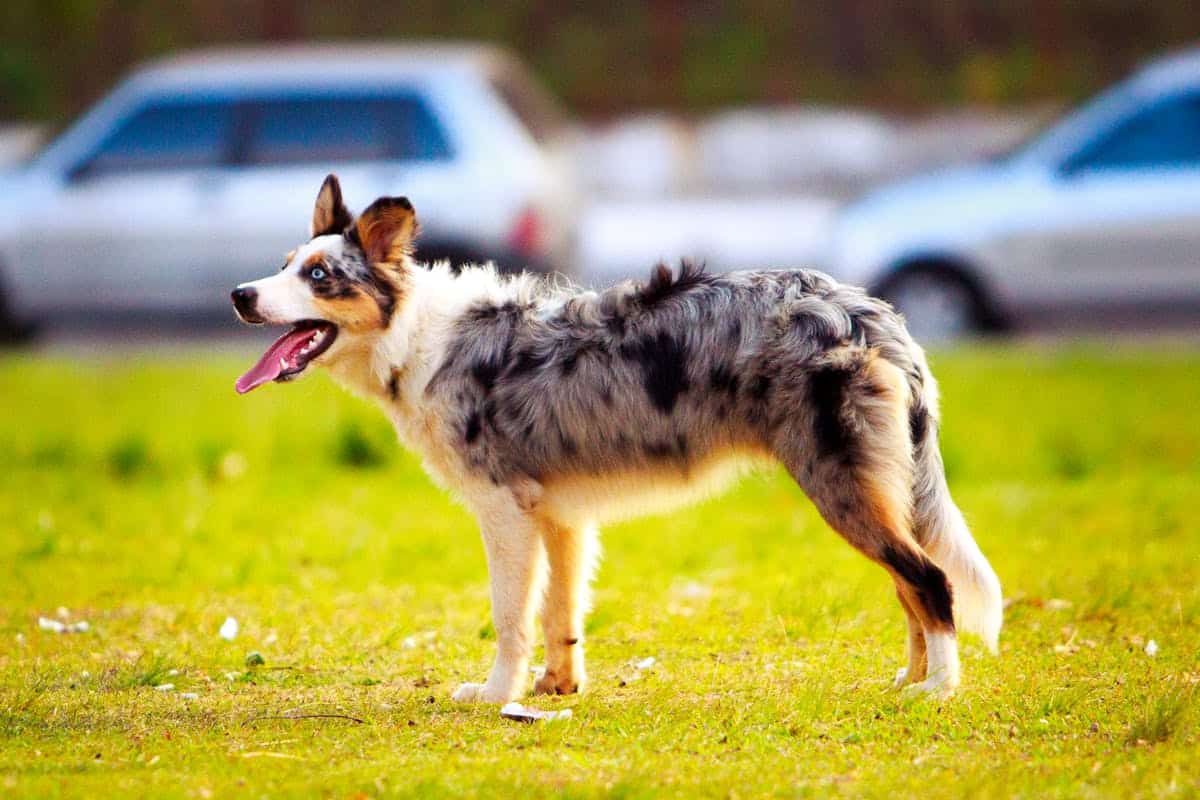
column 270, row 365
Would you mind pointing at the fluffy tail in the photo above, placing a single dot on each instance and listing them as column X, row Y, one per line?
column 939, row 527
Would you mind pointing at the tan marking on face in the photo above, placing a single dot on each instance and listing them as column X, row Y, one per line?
column 357, row 312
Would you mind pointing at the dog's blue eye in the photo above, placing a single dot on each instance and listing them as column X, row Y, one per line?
column 317, row 273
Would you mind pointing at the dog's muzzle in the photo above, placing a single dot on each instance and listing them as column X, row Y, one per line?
column 245, row 301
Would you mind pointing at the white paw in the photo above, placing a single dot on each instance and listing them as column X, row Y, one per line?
column 479, row 693
column 901, row 679
column 939, row 686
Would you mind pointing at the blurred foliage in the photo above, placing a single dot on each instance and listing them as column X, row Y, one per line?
column 56, row 56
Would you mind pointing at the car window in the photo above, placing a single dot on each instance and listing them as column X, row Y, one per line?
column 169, row 134
column 333, row 129
column 1165, row 135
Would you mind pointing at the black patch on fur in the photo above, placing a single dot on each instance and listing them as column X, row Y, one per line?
column 527, row 361
column 657, row 449
column 722, row 379
column 473, row 428
column 826, row 392
column 486, row 312
column 663, row 285
column 927, row 578
column 760, row 387
column 485, row 372
column 489, row 414
column 385, row 296
column 735, row 332
column 681, row 445
column 394, row 384
column 571, row 642
column 569, row 362
column 663, row 359
column 918, row 423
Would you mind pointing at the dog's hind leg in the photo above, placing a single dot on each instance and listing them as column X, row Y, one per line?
column 851, row 453
column 516, row 566
column 571, row 553
column 917, row 655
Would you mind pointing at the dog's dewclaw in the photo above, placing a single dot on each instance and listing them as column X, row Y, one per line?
column 518, row 712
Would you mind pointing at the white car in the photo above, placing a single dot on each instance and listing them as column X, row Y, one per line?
column 200, row 171
column 1098, row 214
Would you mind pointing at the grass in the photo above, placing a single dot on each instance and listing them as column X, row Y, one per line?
column 143, row 496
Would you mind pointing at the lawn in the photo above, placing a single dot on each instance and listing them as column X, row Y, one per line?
column 141, row 495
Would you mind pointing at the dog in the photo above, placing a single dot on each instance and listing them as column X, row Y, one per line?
column 549, row 410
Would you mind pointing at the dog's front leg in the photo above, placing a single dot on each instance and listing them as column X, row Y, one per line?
column 516, row 563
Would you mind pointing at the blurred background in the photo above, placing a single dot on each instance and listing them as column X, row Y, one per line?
column 989, row 167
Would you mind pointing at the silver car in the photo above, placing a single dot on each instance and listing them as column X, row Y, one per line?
column 201, row 169
column 1100, row 214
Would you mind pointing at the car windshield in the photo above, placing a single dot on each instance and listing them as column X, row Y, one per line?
column 1055, row 138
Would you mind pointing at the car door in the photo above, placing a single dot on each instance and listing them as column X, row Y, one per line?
column 128, row 227
column 377, row 143
column 1119, row 221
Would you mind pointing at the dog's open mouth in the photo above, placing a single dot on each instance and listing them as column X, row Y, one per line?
column 289, row 354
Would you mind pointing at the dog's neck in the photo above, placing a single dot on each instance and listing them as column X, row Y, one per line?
column 394, row 365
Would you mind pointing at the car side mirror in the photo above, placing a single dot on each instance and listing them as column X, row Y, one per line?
column 1069, row 169
column 81, row 171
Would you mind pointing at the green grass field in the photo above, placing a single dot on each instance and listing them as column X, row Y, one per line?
column 142, row 495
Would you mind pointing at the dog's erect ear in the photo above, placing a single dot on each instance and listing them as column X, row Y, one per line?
column 330, row 215
column 386, row 230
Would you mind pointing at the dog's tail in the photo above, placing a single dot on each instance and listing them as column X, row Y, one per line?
column 939, row 527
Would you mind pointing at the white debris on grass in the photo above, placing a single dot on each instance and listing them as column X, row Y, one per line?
column 188, row 696
column 164, row 687
column 229, row 629
column 694, row 590
column 645, row 663
column 417, row 639
column 520, row 713
column 1152, row 648
column 1058, row 604
column 57, row 626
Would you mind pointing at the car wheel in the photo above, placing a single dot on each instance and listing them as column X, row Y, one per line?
column 12, row 330
column 938, row 304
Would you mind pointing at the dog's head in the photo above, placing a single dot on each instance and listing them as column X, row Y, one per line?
column 343, row 285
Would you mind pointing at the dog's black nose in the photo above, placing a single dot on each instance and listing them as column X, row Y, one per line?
column 245, row 299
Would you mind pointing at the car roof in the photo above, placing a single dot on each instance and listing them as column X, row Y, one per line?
column 315, row 63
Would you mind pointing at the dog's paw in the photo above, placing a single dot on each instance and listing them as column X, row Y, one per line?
column 935, row 686
column 906, row 677
column 551, row 683
column 479, row 693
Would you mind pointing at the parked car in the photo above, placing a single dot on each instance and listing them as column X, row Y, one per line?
column 1100, row 213
column 200, row 170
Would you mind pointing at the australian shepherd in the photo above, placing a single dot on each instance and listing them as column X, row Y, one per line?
column 550, row 410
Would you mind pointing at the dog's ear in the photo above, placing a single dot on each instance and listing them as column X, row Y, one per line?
column 330, row 214
column 386, row 230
